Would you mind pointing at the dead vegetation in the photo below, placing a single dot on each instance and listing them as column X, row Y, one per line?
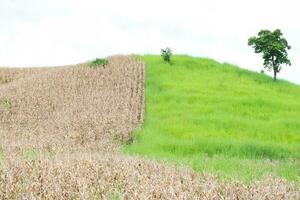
column 60, row 130
column 86, row 176
column 71, row 108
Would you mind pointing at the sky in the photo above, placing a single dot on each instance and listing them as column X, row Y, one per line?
column 60, row 32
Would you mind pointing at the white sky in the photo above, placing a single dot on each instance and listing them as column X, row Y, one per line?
column 58, row 32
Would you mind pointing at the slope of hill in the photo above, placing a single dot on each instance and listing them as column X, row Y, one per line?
column 220, row 118
column 59, row 109
column 61, row 130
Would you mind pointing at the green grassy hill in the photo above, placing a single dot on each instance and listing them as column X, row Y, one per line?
column 220, row 118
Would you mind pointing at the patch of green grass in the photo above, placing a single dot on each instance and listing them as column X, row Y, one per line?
column 1, row 154
column 116, row 194
column 5, row 103
column 30, row 154
column 220, row 118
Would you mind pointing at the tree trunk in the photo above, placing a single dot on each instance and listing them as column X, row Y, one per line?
column 275, row 74
column 275, row 68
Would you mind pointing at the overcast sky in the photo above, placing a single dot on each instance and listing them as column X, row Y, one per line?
column 59, row 32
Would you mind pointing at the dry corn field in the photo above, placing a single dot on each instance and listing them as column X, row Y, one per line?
column 60, row 135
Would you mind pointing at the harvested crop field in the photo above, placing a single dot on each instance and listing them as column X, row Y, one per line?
column 61, row 129
column 70, row 108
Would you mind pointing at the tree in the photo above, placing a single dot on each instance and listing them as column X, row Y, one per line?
column 99, row 62
column 166, row 54
column 274, row 49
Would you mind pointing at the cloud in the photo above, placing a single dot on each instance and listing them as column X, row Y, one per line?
column 54, row 32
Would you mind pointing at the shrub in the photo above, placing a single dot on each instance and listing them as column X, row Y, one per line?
column 166, row 54
column 99, row 62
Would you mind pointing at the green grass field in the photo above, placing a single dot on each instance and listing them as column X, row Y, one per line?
column 220, row 118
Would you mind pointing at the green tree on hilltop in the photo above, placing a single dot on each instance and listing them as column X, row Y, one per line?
column 273, row 47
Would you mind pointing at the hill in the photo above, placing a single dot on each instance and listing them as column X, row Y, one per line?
column 57, row 109
column 62, row 129
column 220, row 118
